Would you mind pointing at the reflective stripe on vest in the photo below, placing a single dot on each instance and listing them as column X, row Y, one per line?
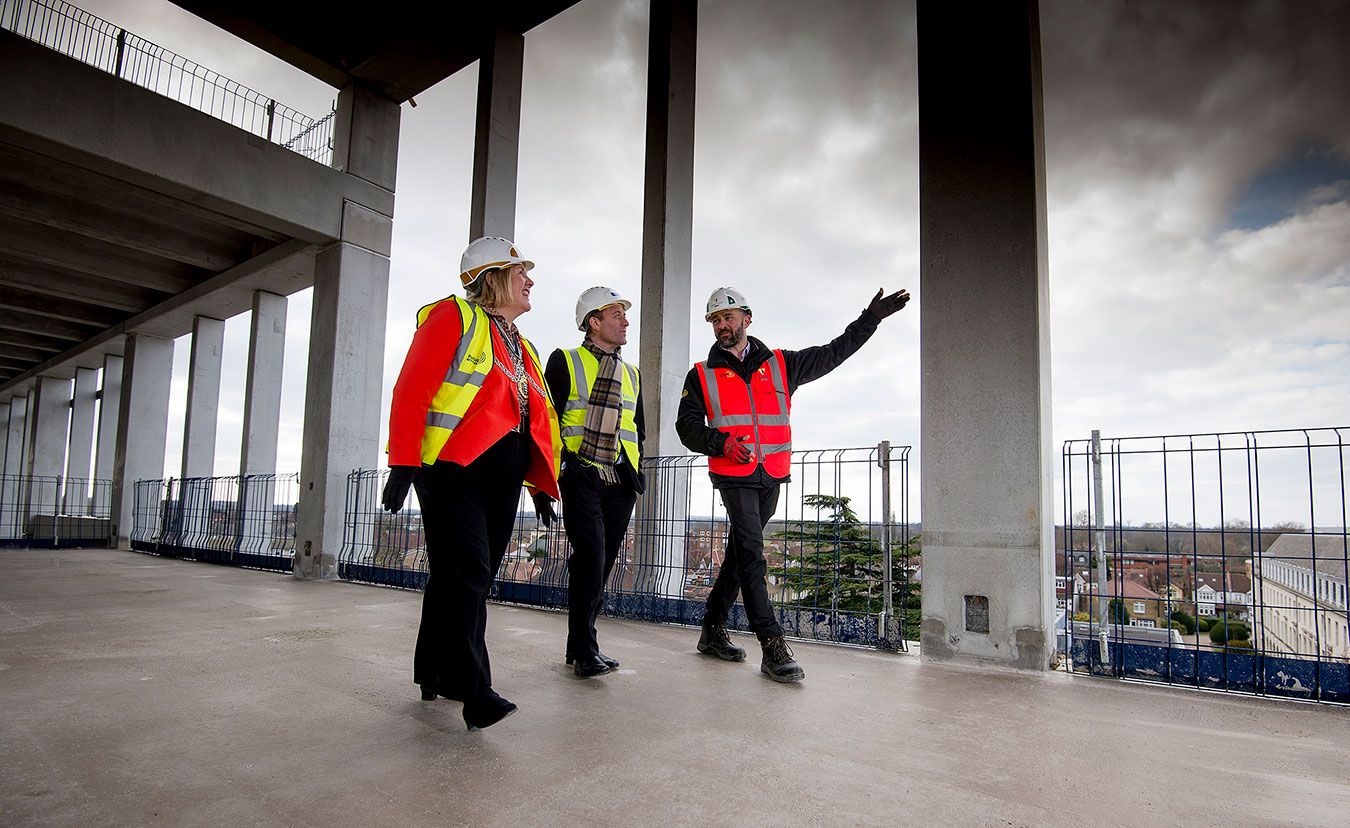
column 583, row 367
column 734, row 406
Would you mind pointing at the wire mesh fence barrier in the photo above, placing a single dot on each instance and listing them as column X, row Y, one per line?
column 842, row 517
column 244, row 521
column 78, row 34
column 55, row 511
column 1211, row 560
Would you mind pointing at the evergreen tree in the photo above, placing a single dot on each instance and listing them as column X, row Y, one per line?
column 836, row 564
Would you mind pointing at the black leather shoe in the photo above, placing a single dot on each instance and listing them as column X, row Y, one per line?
column 613, row 663
column 590, row 667
column 429, row 693
column 487, row 711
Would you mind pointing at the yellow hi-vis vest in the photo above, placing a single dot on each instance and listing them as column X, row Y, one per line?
column 582, row 369
column 468, row 369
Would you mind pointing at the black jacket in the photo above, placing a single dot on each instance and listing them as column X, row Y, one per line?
column 559, row 381
column 803, row 366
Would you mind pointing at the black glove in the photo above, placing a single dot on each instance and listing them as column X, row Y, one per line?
column 396, row 490
column 543, row 509
column 883, row 306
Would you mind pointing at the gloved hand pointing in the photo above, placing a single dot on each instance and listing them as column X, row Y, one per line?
column 734, row 449
column 883, row 306
column 396, row 490
column 543, row 509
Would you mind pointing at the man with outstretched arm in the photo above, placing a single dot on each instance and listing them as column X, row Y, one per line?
column 735, row 408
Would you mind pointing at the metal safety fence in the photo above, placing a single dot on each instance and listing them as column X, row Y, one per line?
column 244, row 521
column 40, row 511
column 841, row 550
column 1215, row 561
column 78, row 34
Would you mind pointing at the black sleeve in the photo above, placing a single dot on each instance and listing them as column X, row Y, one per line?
column 640, row 419
column 559, row 381
column 812, row 363
column 692, row 421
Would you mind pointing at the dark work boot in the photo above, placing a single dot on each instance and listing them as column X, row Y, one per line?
column 715, row 642
column 778, row 664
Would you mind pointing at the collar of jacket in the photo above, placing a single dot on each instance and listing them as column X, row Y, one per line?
column 718, row 357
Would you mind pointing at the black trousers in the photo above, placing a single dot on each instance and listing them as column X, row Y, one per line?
column 595, row 517
column 743, row 568
column 468, row 513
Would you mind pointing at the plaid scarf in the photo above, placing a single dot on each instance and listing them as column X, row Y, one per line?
column 600, row 432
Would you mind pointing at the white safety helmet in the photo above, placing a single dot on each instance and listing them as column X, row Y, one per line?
column 724, row 298
column 597, row 298
column 486, row 253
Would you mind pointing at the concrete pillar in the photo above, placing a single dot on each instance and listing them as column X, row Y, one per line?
column 203, row 397
column 262, row 416
column 143, row 423
column 986, row 469
column 110, row 403
column 667, row 253
column 48, row 431
column 496, row 146
column 79, row 457
column 346, row 347
column 16, row 411
column 262, row 390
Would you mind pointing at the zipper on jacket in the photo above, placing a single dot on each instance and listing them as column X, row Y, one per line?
column 754, row 419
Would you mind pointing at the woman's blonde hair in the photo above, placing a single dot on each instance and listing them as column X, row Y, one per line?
column 492, row 288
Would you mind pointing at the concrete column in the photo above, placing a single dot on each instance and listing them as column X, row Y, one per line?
column 143, row 423
column 346, row 351
column 203, row 397
column 262, row 391
column 49, row 427
column 110, row 403
column 986, row 468
column 79, row 457
column 48, row 431
column 262, row 415
column 4, row 437
column 667, row 253
column 16, row 411
column 496, row 146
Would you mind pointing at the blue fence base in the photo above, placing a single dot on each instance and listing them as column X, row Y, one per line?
column 1241, row 671
column 838, row 628
column 225, row 557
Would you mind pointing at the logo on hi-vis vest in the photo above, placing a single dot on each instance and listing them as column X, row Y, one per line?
column 477, row 359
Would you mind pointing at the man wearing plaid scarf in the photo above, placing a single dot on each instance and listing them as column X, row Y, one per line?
column 599, row 397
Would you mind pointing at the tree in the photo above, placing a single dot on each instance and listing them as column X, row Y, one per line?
column 1224, row 631
column 840, row 564
column 1185, row 620
column 1116, row 613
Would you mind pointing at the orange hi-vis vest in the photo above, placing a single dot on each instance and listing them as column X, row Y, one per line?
column 757, row 410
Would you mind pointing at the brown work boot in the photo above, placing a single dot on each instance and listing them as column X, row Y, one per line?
column 715, row 642
column 778, row 664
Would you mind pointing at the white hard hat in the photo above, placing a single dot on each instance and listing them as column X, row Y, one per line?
column 595, row 298
column 487, row 253
column 724, row 298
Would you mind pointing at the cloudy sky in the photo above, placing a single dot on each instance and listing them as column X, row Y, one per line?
column 1198, row 172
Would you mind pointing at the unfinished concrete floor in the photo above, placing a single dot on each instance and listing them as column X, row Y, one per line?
column 138, row 690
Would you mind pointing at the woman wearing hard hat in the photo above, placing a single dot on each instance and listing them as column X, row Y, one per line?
column 471, row 420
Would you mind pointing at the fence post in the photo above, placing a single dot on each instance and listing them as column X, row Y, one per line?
column 1099, row 548
column 121, row 49
column 271, row 116
column 887, row 600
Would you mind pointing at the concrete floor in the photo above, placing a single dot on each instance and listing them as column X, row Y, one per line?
column 137, row 690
